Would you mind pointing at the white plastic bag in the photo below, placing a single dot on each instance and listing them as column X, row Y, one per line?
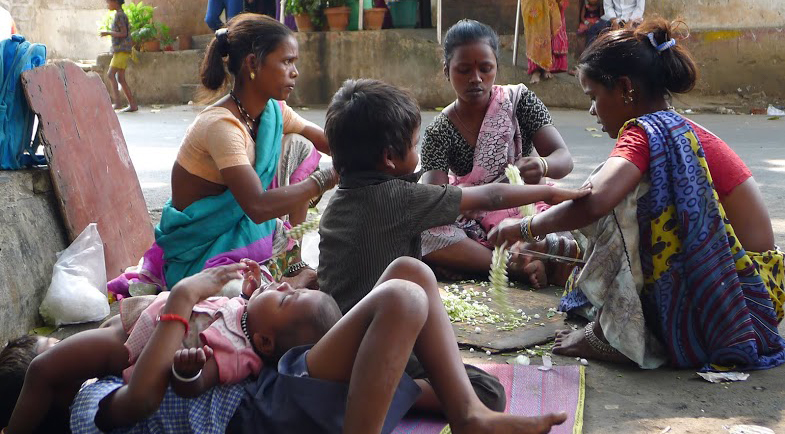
column 77, row 293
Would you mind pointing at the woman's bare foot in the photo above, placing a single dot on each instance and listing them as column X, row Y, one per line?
column 523, row 266
column 573, row 343
column 547, row 75
column 129, row 109
column 536, row 76
column 500, row 423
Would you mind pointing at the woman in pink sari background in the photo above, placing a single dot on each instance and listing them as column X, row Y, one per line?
column 474, row 139
column 545, row 30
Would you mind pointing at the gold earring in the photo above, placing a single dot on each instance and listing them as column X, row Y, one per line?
column 253, row 76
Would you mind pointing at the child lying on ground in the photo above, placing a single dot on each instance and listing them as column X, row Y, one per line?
column 380, row 210
column 354, row 374
column 235, row 335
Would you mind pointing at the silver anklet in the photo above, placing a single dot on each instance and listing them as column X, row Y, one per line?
column 596, row 343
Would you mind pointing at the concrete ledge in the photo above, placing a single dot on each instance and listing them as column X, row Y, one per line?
column 728, row 61
column 31, row 232
column 156, row 77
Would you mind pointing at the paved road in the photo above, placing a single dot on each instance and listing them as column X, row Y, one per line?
column 154, row 137
column 618, row 398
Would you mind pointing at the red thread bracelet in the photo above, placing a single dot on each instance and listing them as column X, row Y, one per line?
column 175, row 317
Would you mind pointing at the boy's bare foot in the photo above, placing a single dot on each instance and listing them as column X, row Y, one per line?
column 573, row 343
column 129, row 109
column 117, row 106
column 500, row 423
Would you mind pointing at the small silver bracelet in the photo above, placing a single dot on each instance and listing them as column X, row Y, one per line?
column 183, row 379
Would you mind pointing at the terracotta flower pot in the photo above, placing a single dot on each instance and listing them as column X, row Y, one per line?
column 150, row 46
column 338, row 18
column 184, row 42
column 373, row 18
column 304, row 23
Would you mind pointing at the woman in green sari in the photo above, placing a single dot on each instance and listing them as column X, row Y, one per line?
column 247, row 167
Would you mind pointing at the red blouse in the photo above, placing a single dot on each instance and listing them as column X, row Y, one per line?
column 726, row 168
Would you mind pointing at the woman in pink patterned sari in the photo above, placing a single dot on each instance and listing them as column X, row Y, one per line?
column 474, row 139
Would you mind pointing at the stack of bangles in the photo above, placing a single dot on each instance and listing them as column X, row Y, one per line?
column 322, row 179
column 562, row 246
column 526, row 230
column 544, row 163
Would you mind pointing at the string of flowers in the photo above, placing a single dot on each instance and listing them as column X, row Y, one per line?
column 514, row 176
column 297, row 232
column 500, row 283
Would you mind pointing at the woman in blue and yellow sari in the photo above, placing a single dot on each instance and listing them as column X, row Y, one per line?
column 246, row 169
column 680, row 263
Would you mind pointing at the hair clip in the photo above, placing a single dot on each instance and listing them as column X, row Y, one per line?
column 222, row 37
column 661, row 47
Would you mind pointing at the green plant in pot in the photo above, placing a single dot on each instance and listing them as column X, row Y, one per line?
column 165, row 36
column 308, row 14
column 151, row 36
column 337, row 14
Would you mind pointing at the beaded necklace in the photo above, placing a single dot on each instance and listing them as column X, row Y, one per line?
column 249, row 122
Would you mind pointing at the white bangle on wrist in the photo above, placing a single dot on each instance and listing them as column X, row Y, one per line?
column 183, row 379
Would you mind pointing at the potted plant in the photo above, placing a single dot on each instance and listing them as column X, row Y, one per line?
column 373, row 18
column 337, row 14
column 307, row 13
column 139, row 16
column 164, row 35
column 147, row 38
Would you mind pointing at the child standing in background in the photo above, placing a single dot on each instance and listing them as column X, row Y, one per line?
column 589, row 13
column 121, row 52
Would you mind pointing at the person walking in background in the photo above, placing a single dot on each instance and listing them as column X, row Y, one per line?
column 216, row 7
column 617, row 14
column 546, row 37
column 122, row 47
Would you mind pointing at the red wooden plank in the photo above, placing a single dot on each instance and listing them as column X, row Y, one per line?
column 91, row 170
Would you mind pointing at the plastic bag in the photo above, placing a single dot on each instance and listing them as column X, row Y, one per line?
column 77, row 293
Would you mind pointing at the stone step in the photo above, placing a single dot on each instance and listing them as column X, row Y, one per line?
column 200, row 42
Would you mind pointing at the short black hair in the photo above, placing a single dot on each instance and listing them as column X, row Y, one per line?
column 306, row 330
column 14, row 360
column 466, row 32
column 367, row 117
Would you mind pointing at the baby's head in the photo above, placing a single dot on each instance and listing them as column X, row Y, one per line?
column 281, row 317
column 14, row 360
column 373, row 126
